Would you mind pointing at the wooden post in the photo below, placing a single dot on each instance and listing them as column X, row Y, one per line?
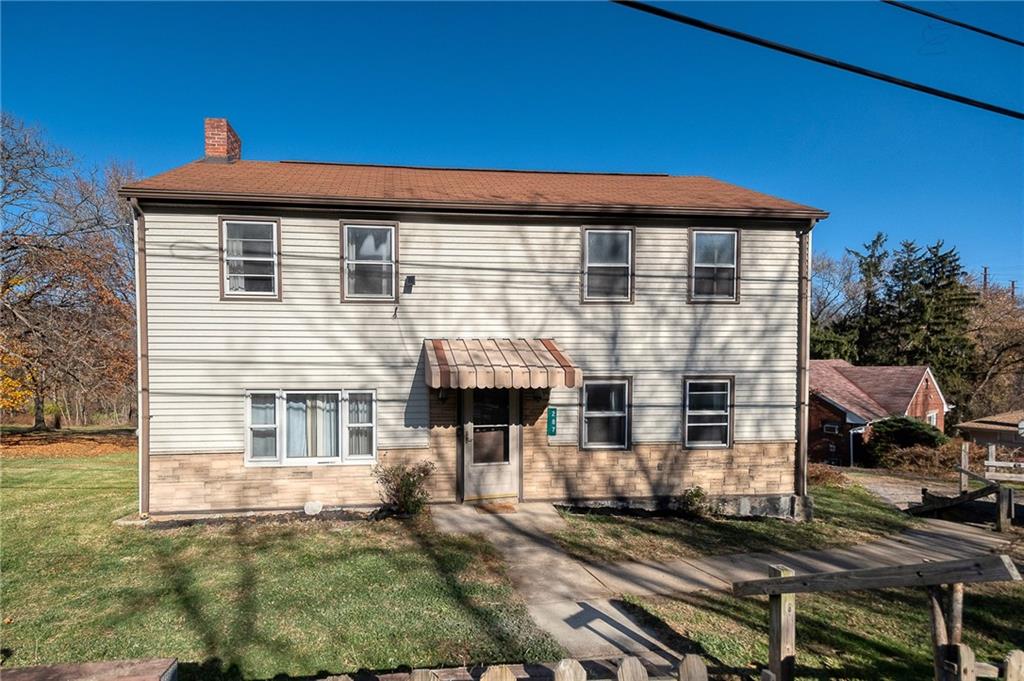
column 991, row 452
column 939, row 634
column 570, row 670
column 692, row 668
column 959, row 663
column 782, row 629
column 422, row 675
column 1003, row 509
column 1013, row 666
column 955, row 612
column 500, row 672
column 630, row 669
column 964, row 461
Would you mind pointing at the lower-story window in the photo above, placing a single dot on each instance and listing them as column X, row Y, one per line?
column 707, row 409
column 606, row 414
column 311, row 427
column 362, row 432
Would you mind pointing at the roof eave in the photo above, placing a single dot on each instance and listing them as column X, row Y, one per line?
column 129, row 191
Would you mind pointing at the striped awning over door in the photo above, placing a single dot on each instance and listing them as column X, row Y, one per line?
column 498, row 363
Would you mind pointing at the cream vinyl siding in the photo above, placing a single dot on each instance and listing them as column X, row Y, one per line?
column 471, row 281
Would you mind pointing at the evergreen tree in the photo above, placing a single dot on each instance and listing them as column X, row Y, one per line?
column 868, row 324
column 903, row 309
column 947, row 299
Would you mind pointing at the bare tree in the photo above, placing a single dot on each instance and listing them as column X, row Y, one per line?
column 67, row 285
column 835, row 288
column 997, row 329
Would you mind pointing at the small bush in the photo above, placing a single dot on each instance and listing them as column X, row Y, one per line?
column 931, row 460
column 820, row 474
column 693, row 502
column 403, row 487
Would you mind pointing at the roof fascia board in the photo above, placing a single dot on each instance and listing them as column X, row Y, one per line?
column 516, row 208
column 851, row 415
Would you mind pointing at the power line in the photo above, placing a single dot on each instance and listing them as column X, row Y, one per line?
column 820, row 59
column 954, row 22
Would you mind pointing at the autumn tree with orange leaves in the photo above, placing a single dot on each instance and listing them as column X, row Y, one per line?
column 67, row 291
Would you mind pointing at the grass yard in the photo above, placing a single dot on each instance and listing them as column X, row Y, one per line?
column 240, row 600
column 855, row 635
column 842, row 515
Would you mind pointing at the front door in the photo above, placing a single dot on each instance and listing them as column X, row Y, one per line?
column 490, row 444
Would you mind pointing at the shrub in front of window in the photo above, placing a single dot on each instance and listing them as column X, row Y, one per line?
column 693, row 503
column 901, row 432
column 403, row 487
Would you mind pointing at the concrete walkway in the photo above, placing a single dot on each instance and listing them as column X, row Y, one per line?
column 577, row 602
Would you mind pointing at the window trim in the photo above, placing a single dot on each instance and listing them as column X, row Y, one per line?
column 691, row 297
column 345, row 426
column 932, row 418
column 585, row 299
column 280, row 415
column 249, row 426
column 346, row 297
column 582, row 409
column 222, row 249
column 684, row 422
column 830, row 428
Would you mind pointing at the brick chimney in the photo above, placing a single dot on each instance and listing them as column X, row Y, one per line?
column 222, row 142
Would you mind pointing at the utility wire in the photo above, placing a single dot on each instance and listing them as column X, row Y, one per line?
column 811, row 56
column 954, row 22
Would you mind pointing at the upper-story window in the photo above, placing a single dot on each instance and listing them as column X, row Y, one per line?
column 607, row 265
column 714, row 265
column 250, row 265
column 369, row 256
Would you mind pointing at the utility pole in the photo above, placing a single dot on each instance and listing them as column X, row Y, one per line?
column 984, row 279
column 1013, row 291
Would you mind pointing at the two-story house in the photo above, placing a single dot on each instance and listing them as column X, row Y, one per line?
column 585, row 337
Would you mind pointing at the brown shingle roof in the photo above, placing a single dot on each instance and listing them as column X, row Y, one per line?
column 1007, row 421
column 872, row 392
column 891, row 387
column 828, row 382
column 291, row 181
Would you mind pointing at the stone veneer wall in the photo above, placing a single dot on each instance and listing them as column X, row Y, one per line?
column 565, row 472
column 209, row 483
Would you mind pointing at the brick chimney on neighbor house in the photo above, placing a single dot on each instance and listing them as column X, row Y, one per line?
column 222, row 142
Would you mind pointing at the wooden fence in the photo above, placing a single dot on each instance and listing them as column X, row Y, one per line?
column 959, row 665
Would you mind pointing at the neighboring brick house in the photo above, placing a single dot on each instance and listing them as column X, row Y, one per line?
column 847, row 399
column 1001, row 429
column 536, row 335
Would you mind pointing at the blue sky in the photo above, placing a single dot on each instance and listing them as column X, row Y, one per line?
column 579, row 86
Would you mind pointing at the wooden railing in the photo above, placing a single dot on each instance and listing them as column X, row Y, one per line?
column 953, row 661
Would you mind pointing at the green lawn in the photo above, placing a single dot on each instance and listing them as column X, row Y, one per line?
column 855, row 635
column 842, row 515
column 240, row 600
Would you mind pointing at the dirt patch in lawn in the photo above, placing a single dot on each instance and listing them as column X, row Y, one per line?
column 59, row 444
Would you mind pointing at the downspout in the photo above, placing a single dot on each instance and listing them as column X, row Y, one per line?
column 803, row 358
column 142, row 354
